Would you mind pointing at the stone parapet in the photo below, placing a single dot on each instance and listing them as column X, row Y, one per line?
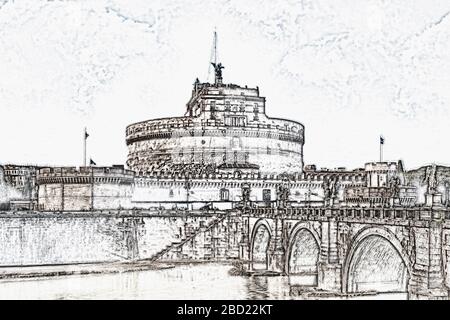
column 85, row 175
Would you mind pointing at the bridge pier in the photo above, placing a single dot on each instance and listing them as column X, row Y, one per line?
column 329, row 276
column 427, row 279
column 276, row 252
column 244, row 245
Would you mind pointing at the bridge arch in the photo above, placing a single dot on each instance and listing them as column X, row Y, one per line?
column 303, row 250
column 376, row 261
column 259, row 245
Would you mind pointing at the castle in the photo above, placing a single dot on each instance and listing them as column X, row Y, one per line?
column 225, row 152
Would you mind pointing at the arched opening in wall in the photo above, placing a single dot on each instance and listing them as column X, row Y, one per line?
column 303, row 258
column 376, row 265
column 261, row 241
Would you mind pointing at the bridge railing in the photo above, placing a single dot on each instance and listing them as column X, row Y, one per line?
column 401, row 214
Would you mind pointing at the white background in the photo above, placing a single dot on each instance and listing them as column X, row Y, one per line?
column 348, row 70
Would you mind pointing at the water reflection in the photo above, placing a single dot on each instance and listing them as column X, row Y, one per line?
column 196, row 281
column 262, row 288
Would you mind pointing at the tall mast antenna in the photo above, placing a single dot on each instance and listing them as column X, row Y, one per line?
column 213, row 57
column 215, row 45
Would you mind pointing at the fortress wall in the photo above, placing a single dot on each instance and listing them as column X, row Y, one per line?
column 30, row 240
column 67, row 238
column 50, row 196
column 109, row 196
column 73, row 197
column 178, row 193
column 74, row 193
column 142, row 195
column 211, row 193
column 77, row 197
column 272, row 155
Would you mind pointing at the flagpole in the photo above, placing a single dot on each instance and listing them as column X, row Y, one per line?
column 84, row 147
column 381, row 152
column 92, row 187
column 381, row 148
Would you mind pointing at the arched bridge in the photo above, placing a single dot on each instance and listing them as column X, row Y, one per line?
column 352, row 250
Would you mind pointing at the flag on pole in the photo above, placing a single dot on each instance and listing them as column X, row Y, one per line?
column 85, row 136
column 92, row 163
column 381, row 148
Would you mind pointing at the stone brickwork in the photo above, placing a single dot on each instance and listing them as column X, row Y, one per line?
column 86, row 188
column 39, row 239
column 220, row 240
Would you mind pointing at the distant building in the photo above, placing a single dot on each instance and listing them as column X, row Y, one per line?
column 22, row 179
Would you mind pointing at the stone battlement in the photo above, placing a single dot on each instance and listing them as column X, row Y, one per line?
column 178, row 127
column 85, row 175
column 381, row 166
column 358, row 177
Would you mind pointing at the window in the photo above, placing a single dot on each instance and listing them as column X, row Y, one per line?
column 235, row 121
column 266, row 195
column 235, row 143
column 224, row 195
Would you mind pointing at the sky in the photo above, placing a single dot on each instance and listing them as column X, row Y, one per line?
column 349, row 70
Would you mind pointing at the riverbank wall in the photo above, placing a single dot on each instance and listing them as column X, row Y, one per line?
column 39, row 238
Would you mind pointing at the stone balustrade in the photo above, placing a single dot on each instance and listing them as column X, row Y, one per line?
column 418, row 213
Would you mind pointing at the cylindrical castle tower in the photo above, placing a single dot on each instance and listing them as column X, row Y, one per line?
column 225, row 129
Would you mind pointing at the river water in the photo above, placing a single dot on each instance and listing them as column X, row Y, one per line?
column 194, row 281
